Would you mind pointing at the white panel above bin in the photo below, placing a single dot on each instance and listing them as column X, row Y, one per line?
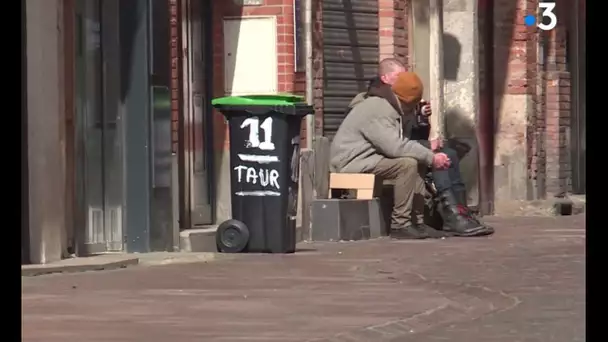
column 250, row 55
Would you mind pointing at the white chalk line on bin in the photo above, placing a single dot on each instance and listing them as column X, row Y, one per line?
column 258, row 193
column 258, row 159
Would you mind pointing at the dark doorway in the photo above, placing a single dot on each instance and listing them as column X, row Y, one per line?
column 196, row 124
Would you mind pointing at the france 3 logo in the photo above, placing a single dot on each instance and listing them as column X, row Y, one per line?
column 548, row 20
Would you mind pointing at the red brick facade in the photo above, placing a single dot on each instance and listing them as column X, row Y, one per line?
column 528, row 64
column 393, row 26
column 532, row 62
column 554, row 114
column 289, row 81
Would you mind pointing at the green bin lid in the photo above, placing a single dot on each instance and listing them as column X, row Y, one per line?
column 259, row 100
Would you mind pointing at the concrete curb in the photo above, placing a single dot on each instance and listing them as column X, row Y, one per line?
column 78, row 265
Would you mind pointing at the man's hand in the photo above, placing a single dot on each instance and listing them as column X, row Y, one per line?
column 426, row 108
column 441, row 161
column 436, row 145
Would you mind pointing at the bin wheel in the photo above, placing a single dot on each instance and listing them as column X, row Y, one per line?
column 232, row 236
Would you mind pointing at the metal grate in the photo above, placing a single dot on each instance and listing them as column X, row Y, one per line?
column 350, row 55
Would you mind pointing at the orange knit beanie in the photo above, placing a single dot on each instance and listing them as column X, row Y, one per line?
column 408, row 87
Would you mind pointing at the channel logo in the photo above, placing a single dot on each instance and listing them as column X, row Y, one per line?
column 547, row 12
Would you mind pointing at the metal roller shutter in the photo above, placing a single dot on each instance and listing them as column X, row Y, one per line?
column 350, row 55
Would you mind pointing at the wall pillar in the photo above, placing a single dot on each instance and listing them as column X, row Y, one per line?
column 45, row 130
column 461, row 83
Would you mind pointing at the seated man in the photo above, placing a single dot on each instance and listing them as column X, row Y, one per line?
column 448, row 184
column 371, row 140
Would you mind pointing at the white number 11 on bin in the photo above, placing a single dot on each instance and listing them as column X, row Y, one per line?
column 254, row 133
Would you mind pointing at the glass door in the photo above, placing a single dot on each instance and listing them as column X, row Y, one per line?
column 99, row 129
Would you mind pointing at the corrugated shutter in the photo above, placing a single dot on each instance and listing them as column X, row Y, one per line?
column 350, row 55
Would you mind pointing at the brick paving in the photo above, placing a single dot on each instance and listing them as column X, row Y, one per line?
column 526, row 283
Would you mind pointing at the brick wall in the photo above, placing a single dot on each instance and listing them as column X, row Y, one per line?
column 550, row 165
column 288, row 79
column 393, row 24
column 514, row 95
column 513, row 47
column 531, row 64
column 554, row 89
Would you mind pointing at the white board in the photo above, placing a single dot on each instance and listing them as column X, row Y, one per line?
column 250, row 55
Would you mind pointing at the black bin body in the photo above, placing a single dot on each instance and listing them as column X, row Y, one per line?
column 265, row 172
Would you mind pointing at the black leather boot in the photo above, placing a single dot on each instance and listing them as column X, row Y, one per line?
column 410, row 232
column 461, row 199
column 454, row 221
column 436, row 233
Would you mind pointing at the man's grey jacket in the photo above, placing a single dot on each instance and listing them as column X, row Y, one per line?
column 371, row 131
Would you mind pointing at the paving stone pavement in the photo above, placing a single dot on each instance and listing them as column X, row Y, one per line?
column 525, row 283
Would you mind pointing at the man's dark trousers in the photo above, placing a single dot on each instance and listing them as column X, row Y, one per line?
column 449, row 179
